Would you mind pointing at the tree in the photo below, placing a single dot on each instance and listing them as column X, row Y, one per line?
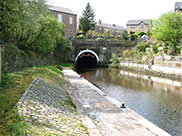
column 19, row 19
column 50, row 32
column 168, row 29
column 87, row 21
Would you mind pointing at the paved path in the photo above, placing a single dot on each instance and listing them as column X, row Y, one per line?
column 105, row 112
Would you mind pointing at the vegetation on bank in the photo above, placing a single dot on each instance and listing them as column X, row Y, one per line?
column 30, row 31
column 165, row 40
column 168, row 30
column 13, row 86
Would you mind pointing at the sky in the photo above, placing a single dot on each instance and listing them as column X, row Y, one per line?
column 119, row 11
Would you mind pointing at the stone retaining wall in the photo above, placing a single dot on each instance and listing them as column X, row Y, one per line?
column 172, row 72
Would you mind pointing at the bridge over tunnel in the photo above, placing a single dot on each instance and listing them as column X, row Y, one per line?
column 86, row 59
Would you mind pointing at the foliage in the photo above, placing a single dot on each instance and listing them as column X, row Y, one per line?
column 80, row 36
column 62, row 49
column 133, row 37
column 114, row 60
column 155, row 49
column 87, row 21
column 126, row 53
column 108, row 35
column 28, row 29
column 140, row 34
column 125, row 35
column 167, row 29
column 141, row 46
column 49, row 35
column 19, row 20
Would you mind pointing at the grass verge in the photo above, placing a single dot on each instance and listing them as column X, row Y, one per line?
column 13, row 86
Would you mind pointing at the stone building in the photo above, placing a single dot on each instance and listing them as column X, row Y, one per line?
column 103, row 27
column 178, row 7
column 134, row 26
column 68, row 17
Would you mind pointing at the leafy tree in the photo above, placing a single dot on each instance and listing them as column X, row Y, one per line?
column 50, row 32
column 168, row 29
column 87, row 21
column 19, row 20
column 28, row 27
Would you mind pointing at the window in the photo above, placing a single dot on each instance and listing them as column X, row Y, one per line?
column 142, row 25
column 132, row 26
column 71, row 20
column 59, row 17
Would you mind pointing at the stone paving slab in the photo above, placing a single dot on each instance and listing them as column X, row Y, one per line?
column 105, row 112
column 46, row 110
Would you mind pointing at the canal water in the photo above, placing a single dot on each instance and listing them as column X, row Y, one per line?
column 157, row 99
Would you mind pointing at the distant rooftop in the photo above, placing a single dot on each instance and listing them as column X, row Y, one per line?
column 136, row 22
column 61, row 9
column 178, row 5
column 113, row 26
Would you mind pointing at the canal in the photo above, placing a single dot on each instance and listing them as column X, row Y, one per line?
column 157, row 99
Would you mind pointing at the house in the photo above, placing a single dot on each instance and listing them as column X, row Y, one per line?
column 134, row 26
column 68, row 17
column 178, row 7
column 112, row 28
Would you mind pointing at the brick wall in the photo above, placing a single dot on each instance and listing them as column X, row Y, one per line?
column 70, row 29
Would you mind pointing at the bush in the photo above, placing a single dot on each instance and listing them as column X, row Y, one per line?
column 133, row 37
column 140, row 34
column 80, row 36
column 155, row 49
column 114, row 60
column 125, row 35
column 141, row 46
column 126, row 53
column 49, row 34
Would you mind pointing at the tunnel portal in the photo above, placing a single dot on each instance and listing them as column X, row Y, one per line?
column 86, row 59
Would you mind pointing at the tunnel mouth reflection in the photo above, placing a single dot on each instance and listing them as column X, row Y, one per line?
column 86, row 60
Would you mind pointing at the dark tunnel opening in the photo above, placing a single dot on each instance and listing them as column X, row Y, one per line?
column 86, row 60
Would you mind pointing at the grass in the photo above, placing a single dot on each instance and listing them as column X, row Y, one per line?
column 13, row 86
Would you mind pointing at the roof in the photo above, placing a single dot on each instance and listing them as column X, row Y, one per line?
column 61, row 9
column 178, row 5
column 136, row 22
column 112, row 26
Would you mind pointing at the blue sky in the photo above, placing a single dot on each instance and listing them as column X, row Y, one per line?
column 119, row 11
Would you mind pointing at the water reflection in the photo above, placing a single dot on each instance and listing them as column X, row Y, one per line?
column 157, row 99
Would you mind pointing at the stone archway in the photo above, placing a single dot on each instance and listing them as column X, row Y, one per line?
column 86, row 58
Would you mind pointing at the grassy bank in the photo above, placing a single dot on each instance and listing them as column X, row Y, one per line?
column 13, row 86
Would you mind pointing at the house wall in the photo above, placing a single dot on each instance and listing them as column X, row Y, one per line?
column 138, row 28
column 104, row 29
column 70, row 29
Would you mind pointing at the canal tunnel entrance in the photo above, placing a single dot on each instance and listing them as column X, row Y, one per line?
column 86, row 59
